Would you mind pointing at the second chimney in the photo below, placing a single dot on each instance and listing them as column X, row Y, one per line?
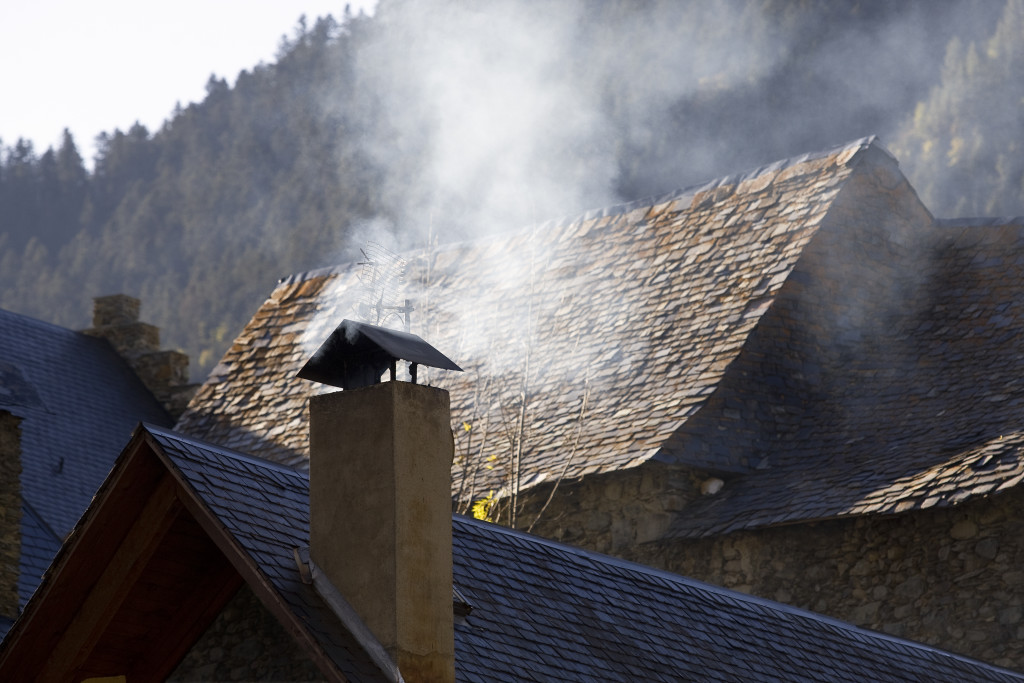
column 380, row 516
column 164, row 372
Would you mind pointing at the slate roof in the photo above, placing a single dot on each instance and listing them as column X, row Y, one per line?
column 932, row 417
column 79, row 402
column 807, row 331
column 545, row 611
column 639, row 308
column 39, row 545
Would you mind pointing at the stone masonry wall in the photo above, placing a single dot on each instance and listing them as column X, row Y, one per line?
column 10, row 512
column 611, row 512
column 245, row 643
column 949, row 577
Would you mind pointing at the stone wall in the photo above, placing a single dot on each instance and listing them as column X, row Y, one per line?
column 949, row 577
column 612, row 512
column 10, row 512
column 246, row 643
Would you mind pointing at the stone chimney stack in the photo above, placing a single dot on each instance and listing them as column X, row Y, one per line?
column 10, row 512
column 381, row 519
column 164, row 372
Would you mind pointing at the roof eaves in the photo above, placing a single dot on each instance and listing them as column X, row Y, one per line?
column 73, row 539
column 764, row 606
column 993, row 467
column 240, row 558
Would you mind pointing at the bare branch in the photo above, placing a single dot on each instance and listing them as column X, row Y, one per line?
column 572, row 453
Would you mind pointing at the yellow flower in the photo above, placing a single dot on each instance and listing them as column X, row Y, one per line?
column 482, row 507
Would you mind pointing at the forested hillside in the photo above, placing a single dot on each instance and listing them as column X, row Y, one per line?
column 443, row 118
column 963, row 146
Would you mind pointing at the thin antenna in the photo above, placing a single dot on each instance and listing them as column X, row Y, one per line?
column 382, row 276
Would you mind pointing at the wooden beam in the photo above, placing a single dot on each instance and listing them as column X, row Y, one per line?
column 72, row 573
column 106, row 596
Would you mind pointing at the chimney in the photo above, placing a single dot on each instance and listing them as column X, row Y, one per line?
column 164, row 372
column 381, row 518
column 10, row 512
column 380, row 487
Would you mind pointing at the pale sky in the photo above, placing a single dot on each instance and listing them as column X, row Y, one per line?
column 97, row 65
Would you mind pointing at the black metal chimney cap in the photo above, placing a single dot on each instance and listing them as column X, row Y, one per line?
column 356, row 355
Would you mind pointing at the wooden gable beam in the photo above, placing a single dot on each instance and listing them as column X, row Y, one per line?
column 122, row 571
column 71, row 628
column 256, row 580
column 75, row 569
column 71, row 625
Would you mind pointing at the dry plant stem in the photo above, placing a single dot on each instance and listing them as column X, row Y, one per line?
column 483, row 449
column 510, row 434
column 509, row 430
column 572, row 454
column 521, row 428
column 524, row 391
column 465, row 463
column 464, row 470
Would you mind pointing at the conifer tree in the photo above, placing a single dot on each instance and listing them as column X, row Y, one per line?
column 964, row 145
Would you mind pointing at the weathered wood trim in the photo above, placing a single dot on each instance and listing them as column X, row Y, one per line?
column 251, row 574
column 121, row 572
column 68, row 578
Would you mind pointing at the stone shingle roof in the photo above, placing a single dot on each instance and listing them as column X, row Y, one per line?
column 640, row 308
column 545, row 611
column 807, row 331
column 39, row 545
column 931, row 417
column 79, row 402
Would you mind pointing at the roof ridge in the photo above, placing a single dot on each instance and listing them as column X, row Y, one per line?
column 621, row 208
column 222, row 450
column 302, row 276
column 719, row 591
column 732, row 179
column 44, row 323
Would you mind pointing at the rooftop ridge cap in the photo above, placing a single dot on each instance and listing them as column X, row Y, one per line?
column 223, row 450
column 732, row 179
column 302, row 276
column 719, row 590
column 28, row 319
column 616, row 209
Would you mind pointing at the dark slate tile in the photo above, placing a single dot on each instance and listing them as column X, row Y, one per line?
column 85, row 403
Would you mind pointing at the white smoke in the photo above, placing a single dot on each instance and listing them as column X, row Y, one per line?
column 511, row 116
